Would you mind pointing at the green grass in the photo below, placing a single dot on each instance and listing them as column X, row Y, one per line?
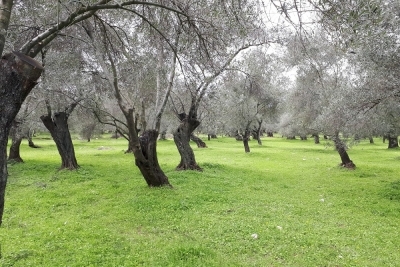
column 305, row 209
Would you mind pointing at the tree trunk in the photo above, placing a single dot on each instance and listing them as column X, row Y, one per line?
column 198, row 141
column 246, row 138
column 393, row 142
column 30, row 141
column 58, row 128
column 131, row 146
column 147, row 161
column 212, row 136
column 340, row 147
column 182, row 141
column 3, row 161
column 316, row 138
column 19, row 74
column 371, row 140
column 163, row 135
column 258, row 132
column 16, row 139
column 14, row 154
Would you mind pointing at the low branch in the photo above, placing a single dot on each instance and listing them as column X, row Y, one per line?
column 79, row 15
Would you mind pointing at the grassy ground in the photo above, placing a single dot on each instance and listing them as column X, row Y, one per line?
column 284, row 204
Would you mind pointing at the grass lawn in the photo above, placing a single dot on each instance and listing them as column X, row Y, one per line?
column 287, row 203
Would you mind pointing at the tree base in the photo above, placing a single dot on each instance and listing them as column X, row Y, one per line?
column 191, row 167
column 350, row 165
column 32, row 145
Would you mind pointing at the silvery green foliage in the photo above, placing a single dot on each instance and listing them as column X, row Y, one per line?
column 319, row 101
column 252, row 91
column 347, row 69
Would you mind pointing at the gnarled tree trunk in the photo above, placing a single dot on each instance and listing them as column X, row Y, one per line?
column 200, row 143
column 16, row 139
column 182, row 141
column 58, row 128
column 147, row 161
column 341, row 148
column 18, row 76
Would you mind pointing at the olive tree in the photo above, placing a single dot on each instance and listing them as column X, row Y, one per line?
column 20, row 72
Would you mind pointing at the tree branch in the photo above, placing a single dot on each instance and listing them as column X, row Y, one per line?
column 80, row 14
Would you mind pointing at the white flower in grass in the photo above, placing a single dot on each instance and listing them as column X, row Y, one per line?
column 279, row 228
column 255, row 236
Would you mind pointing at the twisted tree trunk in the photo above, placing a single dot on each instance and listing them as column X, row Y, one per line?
column 19, row 74
column 16, row 139
column 200, row 143
column 182, row 141
column 147, row 161
column 58, row 128
column 341, row 148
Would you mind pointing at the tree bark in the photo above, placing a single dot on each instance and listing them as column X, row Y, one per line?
column 58, row 128
column 30, row 141
column 14, row 154
column 182, row 141
column 371, row 140
column 16, row 139
column 316, row 138
column 340, row 147
column 5, row 15
column 246, row 138
column 147, row 162
column 259, row 132
column 19, row 74
column 393, row 141
column 200, row 143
